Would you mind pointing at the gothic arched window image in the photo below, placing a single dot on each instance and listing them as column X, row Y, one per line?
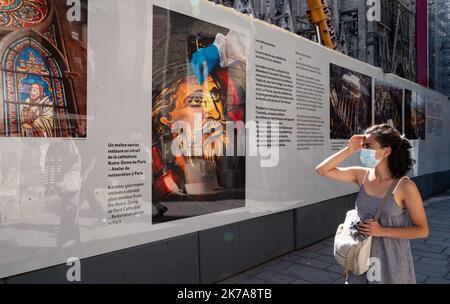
column 34, row 96
column 42, row 70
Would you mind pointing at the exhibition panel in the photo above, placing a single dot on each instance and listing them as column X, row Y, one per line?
column 124, row 123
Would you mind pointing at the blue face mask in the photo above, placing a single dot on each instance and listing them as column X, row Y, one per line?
column 368, row 158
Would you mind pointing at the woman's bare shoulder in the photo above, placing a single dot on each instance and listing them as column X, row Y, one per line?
column 360, row 173
column 407, row 186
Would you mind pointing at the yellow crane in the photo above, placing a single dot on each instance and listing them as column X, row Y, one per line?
column 319, row 15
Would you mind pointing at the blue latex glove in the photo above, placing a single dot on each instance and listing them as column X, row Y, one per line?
column 204, row 61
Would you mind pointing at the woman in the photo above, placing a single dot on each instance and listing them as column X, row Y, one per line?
column 386, row 156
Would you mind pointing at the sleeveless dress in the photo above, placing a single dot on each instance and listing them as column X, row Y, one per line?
column 394, row 255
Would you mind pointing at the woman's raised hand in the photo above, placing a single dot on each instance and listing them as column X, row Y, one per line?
column 355, row 144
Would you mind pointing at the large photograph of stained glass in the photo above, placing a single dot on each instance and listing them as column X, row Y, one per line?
column 43, row 67
column 199, row 83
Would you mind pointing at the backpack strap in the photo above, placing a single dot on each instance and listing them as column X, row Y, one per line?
column 393, row 186
column 348, row 262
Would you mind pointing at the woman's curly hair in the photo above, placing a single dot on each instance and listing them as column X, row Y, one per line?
column 400, row 161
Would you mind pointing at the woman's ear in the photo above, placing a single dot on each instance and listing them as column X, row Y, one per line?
column 387, row 151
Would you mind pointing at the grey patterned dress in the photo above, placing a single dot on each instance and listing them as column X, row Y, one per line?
column 395, row 256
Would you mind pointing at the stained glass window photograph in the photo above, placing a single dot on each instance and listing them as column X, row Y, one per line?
column 43, row 72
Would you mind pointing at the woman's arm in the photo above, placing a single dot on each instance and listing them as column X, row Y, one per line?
column 329, row 167
column 414, row 205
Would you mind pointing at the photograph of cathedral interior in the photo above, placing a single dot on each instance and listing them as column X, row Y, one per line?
column 388, row 105
column 43, row 51
column 415, row 115
column 350, row 102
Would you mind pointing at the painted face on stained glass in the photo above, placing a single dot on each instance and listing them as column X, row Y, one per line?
column 193, row 99
column 36, row 92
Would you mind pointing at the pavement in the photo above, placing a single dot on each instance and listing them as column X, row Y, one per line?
column 316, row 264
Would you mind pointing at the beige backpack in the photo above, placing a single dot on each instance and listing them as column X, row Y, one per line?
column 352, row 249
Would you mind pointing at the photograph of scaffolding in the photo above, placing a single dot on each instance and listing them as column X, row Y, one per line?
column 415, row 115
column 350, row 102
column 388, row 105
